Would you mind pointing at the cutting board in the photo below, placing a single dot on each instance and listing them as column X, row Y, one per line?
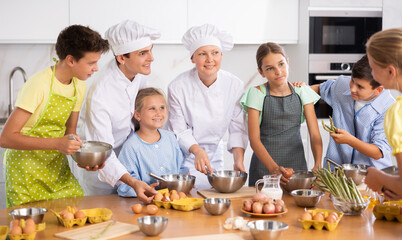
column 242, row 192
column 85, row 233
column 223, row 236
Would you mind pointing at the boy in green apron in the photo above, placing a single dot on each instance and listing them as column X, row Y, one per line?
column 47, row 110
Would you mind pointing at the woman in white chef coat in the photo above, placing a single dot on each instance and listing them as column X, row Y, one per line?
column 204, row 104
column 110, row 105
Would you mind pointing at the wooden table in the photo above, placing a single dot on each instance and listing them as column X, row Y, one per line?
column 199, row 222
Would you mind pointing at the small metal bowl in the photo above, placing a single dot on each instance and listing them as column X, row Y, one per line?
column 152, row 225
column 179, row 182
column 216, row 206
column 92, row 153
column 306, row 197
column 227, row 181
column 266, row 229
column 299, row 180
column 355, row 171
column 393, row 170
column 36, row 214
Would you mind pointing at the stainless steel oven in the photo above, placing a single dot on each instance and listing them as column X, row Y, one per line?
column 337, row 39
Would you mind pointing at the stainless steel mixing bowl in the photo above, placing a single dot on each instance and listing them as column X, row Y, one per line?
column 92, row 153
column 267, row 229
column 36, row 214
column 306, row 197
column 179, row 182
column 152, row 225
column 299, row 180
column 393, row 170
column 216, row 206
column 355, row 171
column 227, row 181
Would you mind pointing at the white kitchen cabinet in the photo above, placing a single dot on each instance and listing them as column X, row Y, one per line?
column 391, row 15
column 39, row 21
column 170, row 17
column 252, row 22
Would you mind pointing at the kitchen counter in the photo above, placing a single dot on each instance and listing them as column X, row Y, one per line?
column 199, row 222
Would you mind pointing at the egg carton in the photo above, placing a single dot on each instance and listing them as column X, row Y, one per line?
column 184, row 204
column 3, row 232
column 319, row 225
column 70, row 223
column 24, row 236
column 389, row 211
column 97, row 215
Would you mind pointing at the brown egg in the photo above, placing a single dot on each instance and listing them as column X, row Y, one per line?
column 318, row 217
column 306, row 216
column 166, row 197
column 16, row 230
column 174, row 196
column 74, row 209
column 182, row 195
column 152, row 209
column 173, row 191
column 63, row 212
column 79, row 214
column 137, row 208
column 158, row 196
column 333, row 214
column 68, row 216
column 331, row 219
column 14, row 222
column 28, row 229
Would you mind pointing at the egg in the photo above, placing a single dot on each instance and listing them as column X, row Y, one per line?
column 14, row 222
column 152, row 209
column 158, row 196
column 28, row 229
column 137, row 208
column 173, row 191
column 74, row 208
column 182, row 195
column 16, row 230
column 79, row 214
column 68, row 216
column 29, row 222
column 333, row 214
column 174, row 196
column 63, row 212
column 306, row 216
column 318, row 217
column 331, row 219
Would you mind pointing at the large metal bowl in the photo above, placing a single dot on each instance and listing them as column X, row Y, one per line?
column 306, row 197
column 267, row 229
column 393, row 170
column 152, row 225
column 92, row 153
column 227, row 181
column 36, row 214
column 179, row 182
column 355, row 171
column 299, row 180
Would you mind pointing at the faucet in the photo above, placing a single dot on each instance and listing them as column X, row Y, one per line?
column 24, row 75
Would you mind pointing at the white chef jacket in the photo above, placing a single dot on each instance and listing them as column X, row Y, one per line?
column 201, row 115
column 109, row 110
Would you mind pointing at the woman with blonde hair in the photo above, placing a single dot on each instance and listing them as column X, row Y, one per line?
column 384, row 51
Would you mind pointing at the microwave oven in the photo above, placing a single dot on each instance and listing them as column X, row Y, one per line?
column 342, row 31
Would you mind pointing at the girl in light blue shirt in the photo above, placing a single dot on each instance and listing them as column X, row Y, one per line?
column 150, row 149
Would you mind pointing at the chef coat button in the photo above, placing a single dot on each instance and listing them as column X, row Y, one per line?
column 156, row 146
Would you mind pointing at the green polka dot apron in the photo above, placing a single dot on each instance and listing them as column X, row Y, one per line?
column 35, row 175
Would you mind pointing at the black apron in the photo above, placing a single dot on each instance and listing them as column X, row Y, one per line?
column 280, row 134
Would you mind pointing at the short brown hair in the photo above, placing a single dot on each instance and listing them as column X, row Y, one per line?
column 267, row 48
column 139, row 101
column 76, row 40
column 361, row 69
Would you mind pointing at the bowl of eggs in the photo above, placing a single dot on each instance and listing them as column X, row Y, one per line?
column 36, row 214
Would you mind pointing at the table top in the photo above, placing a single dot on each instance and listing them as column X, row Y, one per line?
column 200, row 222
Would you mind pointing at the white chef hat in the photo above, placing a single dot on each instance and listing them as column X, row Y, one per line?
column 129, row 36
column 204, row 35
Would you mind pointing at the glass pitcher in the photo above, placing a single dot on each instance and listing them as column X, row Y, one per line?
column 271, row 188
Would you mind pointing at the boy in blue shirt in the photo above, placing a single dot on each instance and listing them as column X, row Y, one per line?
column 359, row 104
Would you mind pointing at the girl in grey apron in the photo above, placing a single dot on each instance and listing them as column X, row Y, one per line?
column 280, row 134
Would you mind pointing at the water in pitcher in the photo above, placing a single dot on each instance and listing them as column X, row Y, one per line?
column 274, row 193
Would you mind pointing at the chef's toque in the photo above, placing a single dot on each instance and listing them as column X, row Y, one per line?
column 129, row 36
column 204, row 35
